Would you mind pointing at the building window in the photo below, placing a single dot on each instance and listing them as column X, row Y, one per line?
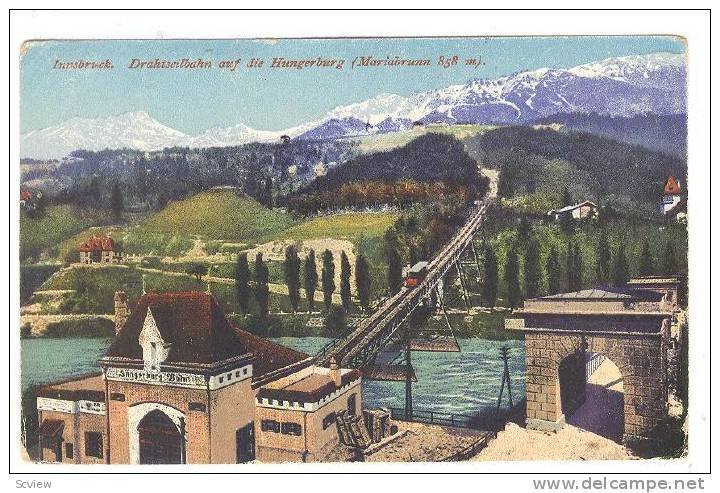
column 291, row 429
column 93, row 444
column 270, row 425
column 69, row 452
column 244, row 371
column 351, row 405
column 115, row 396
column 196, row 406
column 328, row 420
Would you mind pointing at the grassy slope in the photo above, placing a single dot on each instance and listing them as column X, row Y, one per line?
column 219, row 214
column 342, row 226
column 57, row 224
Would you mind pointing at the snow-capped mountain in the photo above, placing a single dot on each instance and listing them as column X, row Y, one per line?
column 134, row 130
column 619, row 87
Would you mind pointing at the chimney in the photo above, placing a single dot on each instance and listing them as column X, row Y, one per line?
column 121, row 310
column 335, row 372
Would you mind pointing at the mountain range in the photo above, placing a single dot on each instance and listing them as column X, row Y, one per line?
column 615, row 87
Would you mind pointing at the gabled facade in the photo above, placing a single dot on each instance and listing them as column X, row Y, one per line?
column 180, row 384
column 671, row 196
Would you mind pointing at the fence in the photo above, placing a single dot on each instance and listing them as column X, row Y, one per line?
column 489, row 418
column 593, row 363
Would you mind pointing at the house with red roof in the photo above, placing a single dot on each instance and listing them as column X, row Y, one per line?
column 100, row 250
column 181, row 385
column 671, row 196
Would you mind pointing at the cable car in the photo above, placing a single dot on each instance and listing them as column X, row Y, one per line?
column 416, row 274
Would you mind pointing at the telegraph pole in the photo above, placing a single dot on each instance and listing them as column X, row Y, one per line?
column 408, row 376
column 505, row 356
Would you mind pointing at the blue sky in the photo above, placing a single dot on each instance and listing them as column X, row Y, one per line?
column 273, row 99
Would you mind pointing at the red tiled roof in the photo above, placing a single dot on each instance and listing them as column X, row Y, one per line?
column 672, row 186
column 102, row 243
column 310, row 389
column 270, row 356
column 196, row 327
column 25, row 195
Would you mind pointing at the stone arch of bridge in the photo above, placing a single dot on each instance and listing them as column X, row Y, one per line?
column 637, row 358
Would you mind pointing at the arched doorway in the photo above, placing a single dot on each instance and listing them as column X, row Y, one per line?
column 603, row 411
column 160, row 440
column 571, row 375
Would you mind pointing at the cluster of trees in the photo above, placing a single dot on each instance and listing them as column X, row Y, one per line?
column 666, row 133
column 302, row 274
column 546, row 160
column 430, row 158
column 150, row 180
column 419, row 234
column 364, row 194
column 612, row 268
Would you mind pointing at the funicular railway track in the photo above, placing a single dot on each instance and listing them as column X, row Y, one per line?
column 371, row 334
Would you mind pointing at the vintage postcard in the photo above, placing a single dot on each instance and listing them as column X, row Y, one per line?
column 346, row 250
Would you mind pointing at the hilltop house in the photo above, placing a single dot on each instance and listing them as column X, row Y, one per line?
column 673, row 205
column 181, row 385
column 581, row 210
column 100, row 250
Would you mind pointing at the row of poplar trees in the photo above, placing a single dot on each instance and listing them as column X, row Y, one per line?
column 611, row 267
column 255, row 284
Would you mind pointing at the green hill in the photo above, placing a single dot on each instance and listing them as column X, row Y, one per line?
column 58, row 223
column 343, row 226
column 218, row 214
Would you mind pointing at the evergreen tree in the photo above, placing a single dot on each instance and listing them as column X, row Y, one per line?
column 512, row 281
column 645, row 263
column 362, row 281
column 345, row 295
column 524, row 229
column 490, row 281
column 116, row 201
column 262, row 291
column 602, row 259
column 552, row 268
column 620, row 274
column 566, row 220
column 532, row 268
column 669, row 263
column 327, row 278
column 578, row 268
column 242, row 283
column 570, row 266
column 311, row 279
column 292, row 275
column 335, row 322
column 267, row 193
column 394, row 269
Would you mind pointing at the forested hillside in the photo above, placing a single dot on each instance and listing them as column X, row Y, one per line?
column 543, row 162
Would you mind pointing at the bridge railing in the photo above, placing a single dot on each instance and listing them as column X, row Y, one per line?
column 390, row 315
column 593, row 363
column 487, row 419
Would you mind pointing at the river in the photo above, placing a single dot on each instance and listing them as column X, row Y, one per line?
column 459, row 383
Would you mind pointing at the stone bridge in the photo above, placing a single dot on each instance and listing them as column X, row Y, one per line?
column 630, row 327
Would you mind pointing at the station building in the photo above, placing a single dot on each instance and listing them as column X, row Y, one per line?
column 180, row 384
